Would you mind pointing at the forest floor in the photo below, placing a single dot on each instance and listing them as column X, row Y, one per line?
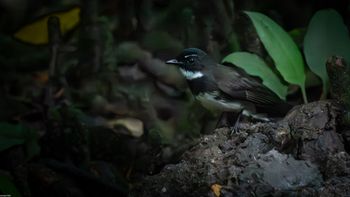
column 304, row 154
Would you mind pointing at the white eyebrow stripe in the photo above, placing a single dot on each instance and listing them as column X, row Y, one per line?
column 192, row 55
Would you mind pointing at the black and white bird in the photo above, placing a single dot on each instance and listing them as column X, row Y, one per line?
column 223, row 88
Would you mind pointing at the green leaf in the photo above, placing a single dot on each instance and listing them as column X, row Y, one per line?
column 11, row 135
column 281, row 48
column 255, row 66
column 6, row 143
column 326, row 36
column 7, row 187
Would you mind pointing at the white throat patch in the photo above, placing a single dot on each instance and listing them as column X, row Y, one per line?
column 189, row 75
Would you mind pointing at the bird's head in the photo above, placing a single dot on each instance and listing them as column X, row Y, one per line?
column 190, row 62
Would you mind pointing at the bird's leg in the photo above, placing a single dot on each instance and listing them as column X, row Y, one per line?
column 235, row 126
column 220, row 121
column 225, row 119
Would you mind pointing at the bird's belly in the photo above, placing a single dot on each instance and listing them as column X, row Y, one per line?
column 210, row 102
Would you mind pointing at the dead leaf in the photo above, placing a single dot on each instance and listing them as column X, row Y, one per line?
column 133, row 125
column 216, row 188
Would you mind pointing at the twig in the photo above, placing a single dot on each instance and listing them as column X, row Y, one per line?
column 54, row 34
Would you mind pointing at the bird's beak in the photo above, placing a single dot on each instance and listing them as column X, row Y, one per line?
column 174, row 61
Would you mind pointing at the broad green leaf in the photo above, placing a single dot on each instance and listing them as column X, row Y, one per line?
column 255, row 66
column 11, row 135
column 326, row 36
column 7, row 187
column 281, row 48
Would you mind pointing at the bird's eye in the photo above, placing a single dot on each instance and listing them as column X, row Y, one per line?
column 191, row 60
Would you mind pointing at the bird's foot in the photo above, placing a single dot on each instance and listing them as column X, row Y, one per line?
column 235, row 128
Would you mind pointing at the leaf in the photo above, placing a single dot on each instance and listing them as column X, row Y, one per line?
column 11, row 135
column 281, row 48
column 216, row 188
column 7, row 187
column 36, row 32
column 255, row 66
column 133, row 125
column 326, row 36
column 6, row 143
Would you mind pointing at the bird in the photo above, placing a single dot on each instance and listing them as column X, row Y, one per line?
column 226, row 88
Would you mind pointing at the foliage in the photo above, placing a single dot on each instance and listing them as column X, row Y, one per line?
column 255, row 66
column 326, row 35
column 282, row 49
column 11, row 135
column 7, row 187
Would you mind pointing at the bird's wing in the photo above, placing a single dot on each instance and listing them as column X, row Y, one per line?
column 237, row 84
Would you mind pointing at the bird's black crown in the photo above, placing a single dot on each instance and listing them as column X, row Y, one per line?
column 189, row 59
